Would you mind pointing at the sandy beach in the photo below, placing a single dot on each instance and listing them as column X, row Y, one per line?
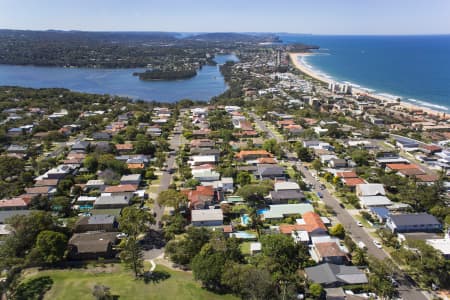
column 296, row 60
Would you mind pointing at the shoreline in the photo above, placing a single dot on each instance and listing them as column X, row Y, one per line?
column 296, row 61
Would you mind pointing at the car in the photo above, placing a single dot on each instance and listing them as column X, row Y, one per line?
column 361, row 245
column 121, row 235
column 319, row 194
column 377, row 244
column 393, row 281
column 359, row 224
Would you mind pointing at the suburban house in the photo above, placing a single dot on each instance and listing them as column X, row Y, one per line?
column 132, row 179
column 108, row 202
column 96, row 223
column 337, row 163
column 279, row 211
column 207, row 217
column 13, row 204
column 286, row 191
column 311, row 223
column 248, row 155
column 92, row 245
column 332, row 275
column 200, row 198
column 197, row 160
column 329, row 252
column 270, row 171
column 419, row 222
column 372, row 194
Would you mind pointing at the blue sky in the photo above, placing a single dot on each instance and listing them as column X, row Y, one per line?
column 296, row 16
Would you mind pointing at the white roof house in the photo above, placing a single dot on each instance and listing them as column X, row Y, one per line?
column 202, row 159
column 374, row 201
column 280, row 210
column 255, row 247
column 442, row 245
column 300, row 236
column 207, row 217
column 286, row 185
column 370, row 189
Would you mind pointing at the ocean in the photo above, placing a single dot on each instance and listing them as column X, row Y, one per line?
column 208, row 83
column 413, row 68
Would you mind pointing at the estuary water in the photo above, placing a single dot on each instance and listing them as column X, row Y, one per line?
column 208, row 83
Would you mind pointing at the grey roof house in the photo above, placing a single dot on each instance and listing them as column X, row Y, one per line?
column 96, row 223
column 420, row 222
column 331, row 275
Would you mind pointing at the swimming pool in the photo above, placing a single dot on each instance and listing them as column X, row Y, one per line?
column 261, row 211
column 244, row 235
column 245, row 220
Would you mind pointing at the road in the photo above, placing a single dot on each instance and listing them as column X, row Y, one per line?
column 407, row 290
column 165, row 180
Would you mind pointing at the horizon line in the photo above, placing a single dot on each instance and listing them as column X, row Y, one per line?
column 241, row 32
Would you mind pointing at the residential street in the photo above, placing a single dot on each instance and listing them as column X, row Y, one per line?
column 165, row 181
column 406, row 289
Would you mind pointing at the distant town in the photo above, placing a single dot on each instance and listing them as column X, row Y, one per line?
column 282, row 187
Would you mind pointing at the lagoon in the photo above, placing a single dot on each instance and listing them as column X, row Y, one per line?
column 208, row 83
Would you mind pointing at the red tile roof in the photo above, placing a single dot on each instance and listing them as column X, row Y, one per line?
column 14, row 202
column 261, row 153
column 312, row 221
column 124, row 146
column 398, row 167
column 347, row 174
column 427, row 178
column 329, row 249
column 123, row 188
column 353, row 181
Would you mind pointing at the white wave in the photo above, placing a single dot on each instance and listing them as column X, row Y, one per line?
column 428, row 104
column 390, row 96
column 352, row 84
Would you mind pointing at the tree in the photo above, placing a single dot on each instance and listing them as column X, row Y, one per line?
column 26, row 229
column 132, row 256
column 174, row 225
column 254, row 193
column 316, row 165
column 171, row 198
column 50, row 246
column 243, row 178
column 90, row 163
column 273, row 147
column 33, row 289
column 248, row 281
column 316, row 290
column 338, row 230
column 184, row 250
column 360, row 157
column 133, row 222
column 102, row 292
column 144, row 147
column 282, row 250
column 303, row 153
column 359, row 257
column 208, row 265
column 379, row 281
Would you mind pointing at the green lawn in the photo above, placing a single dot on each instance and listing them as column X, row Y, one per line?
column 77, row 284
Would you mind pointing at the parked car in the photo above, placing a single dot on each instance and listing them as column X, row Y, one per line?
column 377, row 244
column 319, row 194
column 361, row 245
column 359, row 224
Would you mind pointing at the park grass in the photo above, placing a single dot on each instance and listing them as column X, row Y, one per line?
column 76, row 284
